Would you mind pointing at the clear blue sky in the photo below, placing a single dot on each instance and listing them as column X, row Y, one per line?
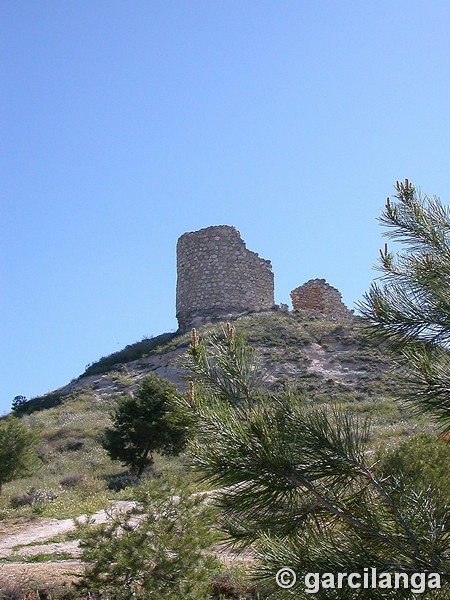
column 125, row 124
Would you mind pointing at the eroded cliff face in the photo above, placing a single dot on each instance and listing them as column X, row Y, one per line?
column 219, row 278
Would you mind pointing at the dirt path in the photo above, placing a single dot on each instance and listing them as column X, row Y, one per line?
column 29, row 539
column 21, row 542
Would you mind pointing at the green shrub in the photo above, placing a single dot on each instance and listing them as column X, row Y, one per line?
column 72, row 480
column 120, row 481
column 18, row 450
column 16, row 589
column 154, row 551
column 422, row 459
column 34, row 498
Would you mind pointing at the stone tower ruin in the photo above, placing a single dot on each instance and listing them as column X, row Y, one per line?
column 218, row 278
column 317, row 294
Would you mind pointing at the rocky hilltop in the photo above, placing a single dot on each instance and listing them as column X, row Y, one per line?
column 321, row 356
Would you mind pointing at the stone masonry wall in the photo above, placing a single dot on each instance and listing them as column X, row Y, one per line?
column 317, row 294
column 217, row 277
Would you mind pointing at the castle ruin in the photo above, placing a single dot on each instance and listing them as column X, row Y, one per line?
column 218, row 278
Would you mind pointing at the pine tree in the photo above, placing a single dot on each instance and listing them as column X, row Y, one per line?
column 143, row 424
column 410, row 309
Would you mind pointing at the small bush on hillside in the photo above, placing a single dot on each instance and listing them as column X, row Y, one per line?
column 423, row 458
column 86, row 498
column 120, row 481
column 15, row 590
column 33, row 498
column 21, row 588
column 73, row 444
column 72, row 480
column 18, row 450
column 154, row 551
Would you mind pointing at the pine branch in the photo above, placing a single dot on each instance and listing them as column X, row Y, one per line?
column 411, row 310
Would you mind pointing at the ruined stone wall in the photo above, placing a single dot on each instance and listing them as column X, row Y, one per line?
column 317, row 294
column 217, row 277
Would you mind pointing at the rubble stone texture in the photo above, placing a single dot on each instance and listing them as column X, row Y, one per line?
column 317, row 294
column 218, row 278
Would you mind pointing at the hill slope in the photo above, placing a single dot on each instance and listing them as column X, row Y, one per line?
column 296, row 347
column 328, row 361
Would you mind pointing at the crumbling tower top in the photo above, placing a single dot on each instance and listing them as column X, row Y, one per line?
column 317, row 294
